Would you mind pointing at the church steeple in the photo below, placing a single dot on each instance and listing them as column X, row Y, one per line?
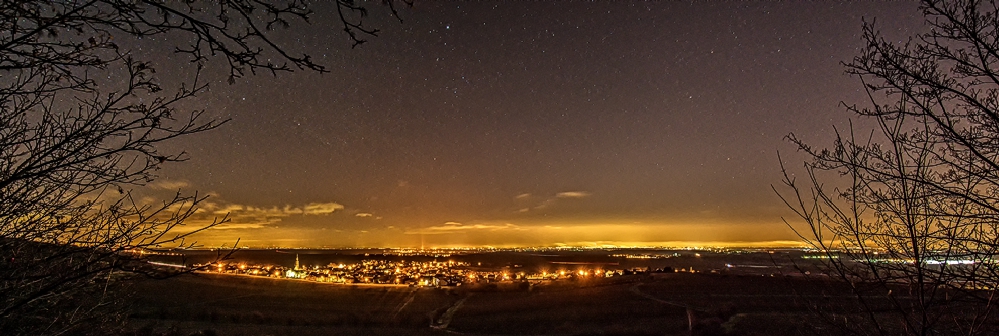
column 297, row 266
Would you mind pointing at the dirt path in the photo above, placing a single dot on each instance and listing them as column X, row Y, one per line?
column 638, row 291
column 445, row 319
column 412, row 296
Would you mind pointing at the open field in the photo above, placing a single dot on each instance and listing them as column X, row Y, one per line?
column 237, row 305
column 572, row 309
column 630, row 305
column 654, row 305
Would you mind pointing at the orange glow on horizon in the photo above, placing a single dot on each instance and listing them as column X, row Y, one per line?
column 625, row 235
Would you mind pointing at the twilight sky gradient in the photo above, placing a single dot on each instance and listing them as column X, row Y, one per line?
column 511, row 124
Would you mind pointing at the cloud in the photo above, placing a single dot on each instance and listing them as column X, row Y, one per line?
column 553, row 200
column 224, row 209
column 169, row 184
column 523, row 196
column 321, row 208
column 572, row 194
column 241, row 216
column 363, row 214
column 455, row 227
column 546, row 203
column 245, row 210
column 236, row 226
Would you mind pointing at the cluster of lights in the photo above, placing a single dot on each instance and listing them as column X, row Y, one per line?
column 928, row 261
column 423, row 274
column 645, row 256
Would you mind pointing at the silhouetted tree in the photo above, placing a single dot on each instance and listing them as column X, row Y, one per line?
column 912, row 203
column 81, row 121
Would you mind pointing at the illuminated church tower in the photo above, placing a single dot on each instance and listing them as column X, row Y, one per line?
column 297, row 266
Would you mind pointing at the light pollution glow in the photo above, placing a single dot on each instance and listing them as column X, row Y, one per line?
column 529, row 124
column 507, row 235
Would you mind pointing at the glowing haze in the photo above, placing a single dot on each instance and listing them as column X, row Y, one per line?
column 516, row 124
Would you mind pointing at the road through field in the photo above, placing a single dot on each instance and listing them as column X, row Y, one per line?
column 448, row 315
column 412, row 295
column 637, row 290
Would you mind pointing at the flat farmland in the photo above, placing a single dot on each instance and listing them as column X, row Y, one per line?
column 589, row 309
column 241, row 305
column 657, row 305
column 629, row 305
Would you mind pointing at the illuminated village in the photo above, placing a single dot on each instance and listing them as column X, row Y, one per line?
column 413, row 273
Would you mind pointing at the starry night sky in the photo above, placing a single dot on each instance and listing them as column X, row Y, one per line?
column 511, row 124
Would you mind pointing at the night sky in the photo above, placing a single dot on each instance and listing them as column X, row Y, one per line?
column 527, row 124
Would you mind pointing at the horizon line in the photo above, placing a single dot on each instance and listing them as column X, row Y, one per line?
column 580, row 245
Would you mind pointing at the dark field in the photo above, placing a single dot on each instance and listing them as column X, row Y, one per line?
column 239, row 305
column 629, row 305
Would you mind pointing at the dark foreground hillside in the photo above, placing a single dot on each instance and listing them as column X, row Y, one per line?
column 630, row 305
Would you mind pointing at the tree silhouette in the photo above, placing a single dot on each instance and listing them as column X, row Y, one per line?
column 81, row 121
column 912, row 203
